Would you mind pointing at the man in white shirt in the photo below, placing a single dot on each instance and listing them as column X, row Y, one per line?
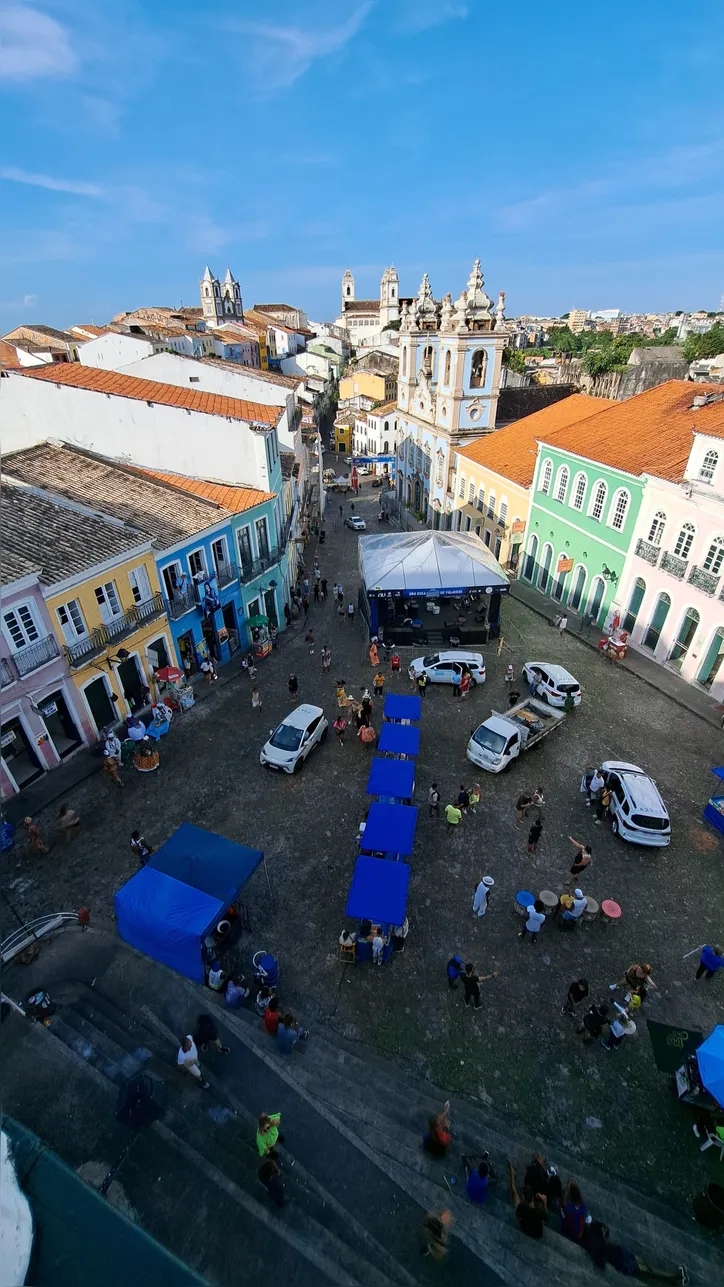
column 578, row 907
column 536, row 917
column 188, row 1058
column 595, row 787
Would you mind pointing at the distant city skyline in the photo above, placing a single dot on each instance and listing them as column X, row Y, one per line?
column 140, row 144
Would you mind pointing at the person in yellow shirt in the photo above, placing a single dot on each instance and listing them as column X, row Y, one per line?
column 453, row 816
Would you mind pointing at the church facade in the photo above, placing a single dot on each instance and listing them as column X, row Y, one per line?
column 221, row 302
column 448, row 385
column 365, row 319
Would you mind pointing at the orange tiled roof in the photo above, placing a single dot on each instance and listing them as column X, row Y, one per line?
column 9, row 354
column 648, row 434
column 511, row 451
column 130, row 386
column 236, row 499
column 384, row 410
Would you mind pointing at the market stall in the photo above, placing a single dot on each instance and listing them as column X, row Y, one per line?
column 399, row 739
column 392, row 780
column 261, row 639
column 378, row 891
column 400, row 709
column 390, row 830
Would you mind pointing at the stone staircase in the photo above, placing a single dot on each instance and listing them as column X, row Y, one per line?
column 358, row 1181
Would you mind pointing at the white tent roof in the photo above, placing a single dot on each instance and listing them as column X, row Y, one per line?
column 428, row 562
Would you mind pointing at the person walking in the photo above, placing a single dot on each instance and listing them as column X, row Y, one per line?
column 206, row 1034
column 463, row 799
column 316, row 591
column 268, row 1134
column 323, row 589
column 452, row 816
column 522, row 804
column 293, row 686
column 466, row 682
column 594, row 1021
column 309, row 639
column 481, row 897
column 188, row 1059
column 509, row 674
column 577, row 992
column 471, row 985
column 474, row 796
column 140, row 848
column 341, row 511
column 69, row 822
column 270, row 1177
column 35, row 840
column 340, row 594
column 436, row 1231
column 433, row 801
column 111, row 761
column 534, row 835
column 636, row 980
column 711, row 960
column 350, row 613
column 326, row 660
column 305, row 605
column 305, row 585
column 422, row 682
column 562, row 623
column 594, row 788
column 582, row 860
column 367, row 736
column 208, row 670
column 536, row 917
column 340, row 728
column 256, row 700
column 374, row 654
column 602, row 804
column 378, row 684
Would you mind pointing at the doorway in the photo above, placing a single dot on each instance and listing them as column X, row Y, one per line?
column 19, row 755
column 579, row 581
column 530, row 558
column 158, row 654
column 228, row 612
column 209, row 632
column 132, row 683
column 99, row 703
column 187, row 652
column 656, row 625
column 687, row 630
column 61, row 726
column 270, row 605
column 634, row 604
column 545, row 568
column 713, row 659
column 594, row 603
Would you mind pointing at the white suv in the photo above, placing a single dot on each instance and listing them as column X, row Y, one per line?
column 447, row 667
column 553, row 683
column 291, row 743
column 638, row 813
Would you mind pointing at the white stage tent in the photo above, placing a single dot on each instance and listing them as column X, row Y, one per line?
column 428, row 564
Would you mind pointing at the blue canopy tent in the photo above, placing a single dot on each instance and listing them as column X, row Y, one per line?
column 714, row 811
column 172, row 905
column 710, row 1058
column 378, row 891
column 398, row 707
column 399, row 739
column 393, row 779
column 390, row 828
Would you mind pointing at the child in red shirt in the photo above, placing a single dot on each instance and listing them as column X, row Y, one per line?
column 272, row 1016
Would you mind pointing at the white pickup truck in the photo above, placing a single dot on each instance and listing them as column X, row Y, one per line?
column 502, row 738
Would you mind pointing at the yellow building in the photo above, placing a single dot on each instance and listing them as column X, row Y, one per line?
column 343, row 430
column 101, row 587
column 378, row 385
column 493, row 475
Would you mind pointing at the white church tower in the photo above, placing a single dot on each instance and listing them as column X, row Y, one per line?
column 347, row 289
column 231, row 298
column 389, row 297
column 220, row 301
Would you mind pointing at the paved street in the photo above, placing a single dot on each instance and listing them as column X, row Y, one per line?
column 518, row 1053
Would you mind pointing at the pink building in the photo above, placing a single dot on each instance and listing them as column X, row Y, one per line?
column 43, row 721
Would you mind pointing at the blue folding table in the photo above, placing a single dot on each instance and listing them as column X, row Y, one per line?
column 399, row 739
column 401, row 708
column 392, row 780
column 389, row 830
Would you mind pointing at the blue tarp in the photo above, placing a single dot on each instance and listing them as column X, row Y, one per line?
column 710, row 1058
column 378, row 890
column 399, row 739
column 399, row 707
column 390, row 828
column 166, row 919
column 719, row 772
column 392, row 777
column 207, row 862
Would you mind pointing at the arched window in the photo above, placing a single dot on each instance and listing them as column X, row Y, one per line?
column 579, row 491
column 715, row 556
column 637, row 596
column 404, row 361
column 619, row 509
column 448, row 365
column 579, row 581
column 708, row 466
column 207, row 291
column 349, row 290
column 545, row 476
column 712, row 661
column 598, row 500
column 385, row 446
column 491, row 505
column 427, row 360
column 595, row 598
column 387, row 426
column 481, row 499
column 462, row 486
column 562, row 484
column 684, row 541
column 687, row 630
column 656, row 625
column 478, row 367
column 471, row 494
column 656, row 531
column 503, row 513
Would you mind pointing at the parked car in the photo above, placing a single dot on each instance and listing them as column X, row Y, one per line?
column 446, row 667
column 294, row 739
column 552, row 683
column 356, row 523
column 637, row 811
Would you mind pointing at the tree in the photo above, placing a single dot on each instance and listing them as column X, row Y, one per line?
column 562, row 340
column 599, row 361
column 710, row 344
column 515, row 359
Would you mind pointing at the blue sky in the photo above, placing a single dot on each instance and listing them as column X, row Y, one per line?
column 577, row 149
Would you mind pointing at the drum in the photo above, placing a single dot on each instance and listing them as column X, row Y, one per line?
column 523, row 900
column 610, row 911
column 591, row 912
column 549, row 901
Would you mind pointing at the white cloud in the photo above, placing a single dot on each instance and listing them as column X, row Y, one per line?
column 33, row 45
column 14, row 304
column 280, row 55
column 420, row 15
column 11, row 174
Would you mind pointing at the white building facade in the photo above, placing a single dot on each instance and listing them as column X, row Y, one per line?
column 375, row 434
column 364, row 320
column 671, row 596
column 448, row 385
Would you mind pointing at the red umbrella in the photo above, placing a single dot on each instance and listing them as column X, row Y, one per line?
column 169, row 674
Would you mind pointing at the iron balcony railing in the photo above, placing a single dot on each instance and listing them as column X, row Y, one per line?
column 255, row 567
column 650, row 553
column 111, row 633
column 704, row 580
column 226, row 573
column 672, row 564
column 182, row 601
column 36, row 654
column 8, row 672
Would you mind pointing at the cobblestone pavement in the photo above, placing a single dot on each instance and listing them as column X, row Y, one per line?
column 518, row 1053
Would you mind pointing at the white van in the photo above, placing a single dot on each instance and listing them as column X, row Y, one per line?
column 638, row 813
column 552, row 683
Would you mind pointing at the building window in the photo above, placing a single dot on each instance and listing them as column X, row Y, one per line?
column 471, row 494
column 71, row 621
column 439, row 468
column 20, row 626
column 491, row 506
column 107, row 600
column 262, row 537
column 498, row 546
column 448, row 365
column 503, row 513
column 684, row 541
column 462, row 487
column 715, row 556
column 478, row 367
column 598, row 501
column 481, row 499
column 708, row 467
column 545, row 477
column 660, row 613
column 656, row 531
column 687, row 630
column 562, row 484
column 477, row 529
column 619, row 510
column 579, row 491
column 486, row 537
column 140, row 584
column 197, row 563
column 243, row 538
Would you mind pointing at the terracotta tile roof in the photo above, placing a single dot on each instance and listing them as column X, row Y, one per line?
column 254, row 372
column 9, row 354
column 87, row 329
column 511, row 451
column 385, row 410
column 274, row 308
column 119, row 490
column 648, row 434
column 237, row 500
column 25, row 331
column 361, row 306
column 128, row 386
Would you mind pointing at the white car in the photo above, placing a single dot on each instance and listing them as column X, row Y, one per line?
column 356, row 523
column 637, row 811
column 447, row 667
column 294, row 739
column 552, row 683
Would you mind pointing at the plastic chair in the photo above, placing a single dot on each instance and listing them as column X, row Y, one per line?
column 346, row 952
column 714, row 1140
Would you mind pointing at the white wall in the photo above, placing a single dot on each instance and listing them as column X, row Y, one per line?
column 157, row 436
column 110, row 352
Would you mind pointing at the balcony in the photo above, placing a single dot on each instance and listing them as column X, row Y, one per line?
column 704, row 580
column 675, row 566
column 36, row 654
column 182, row 601
column 650, row 553
column 110, row 634
column 226, row 573
column 8, row 672
column 255, row 568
